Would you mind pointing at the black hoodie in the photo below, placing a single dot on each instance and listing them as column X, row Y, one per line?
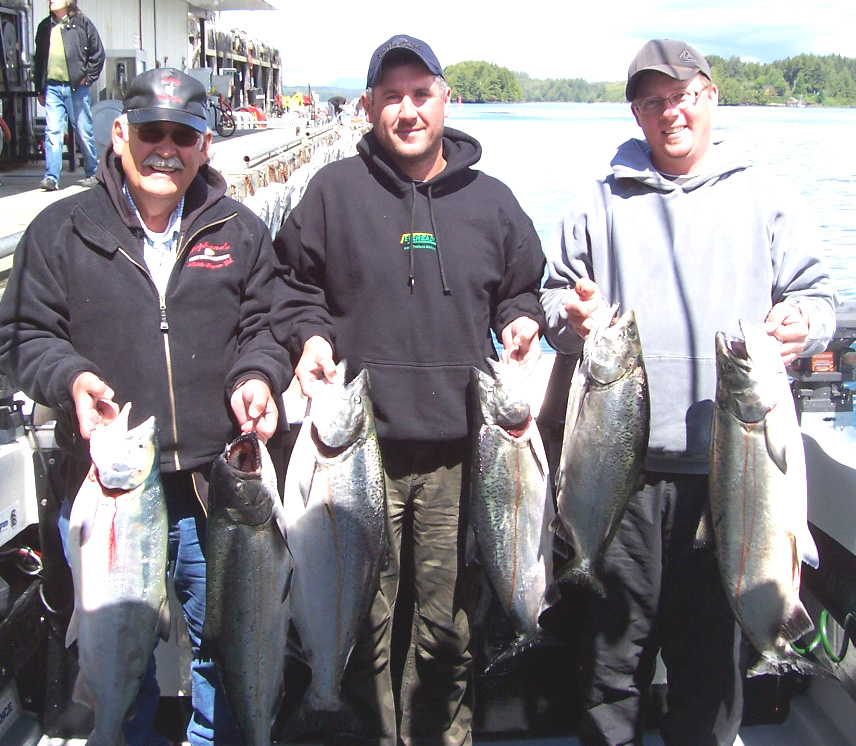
column 80, row 298
column 407, row 279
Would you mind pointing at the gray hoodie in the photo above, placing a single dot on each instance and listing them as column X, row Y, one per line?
column 690, row 259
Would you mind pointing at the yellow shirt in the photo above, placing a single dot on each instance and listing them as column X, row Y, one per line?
column 57, row 66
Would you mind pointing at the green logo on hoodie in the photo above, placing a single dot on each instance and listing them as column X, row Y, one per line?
column 418, row 241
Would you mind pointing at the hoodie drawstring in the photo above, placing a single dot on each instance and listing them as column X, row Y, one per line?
column 446, row 289
column 411, row 278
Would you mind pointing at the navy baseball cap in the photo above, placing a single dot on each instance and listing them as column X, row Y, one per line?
column 403, row 43
column 167, row 95
column 677, row 59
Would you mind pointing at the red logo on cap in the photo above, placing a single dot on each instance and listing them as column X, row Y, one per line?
column 169, row 86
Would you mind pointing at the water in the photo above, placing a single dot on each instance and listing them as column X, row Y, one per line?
column 542, row 150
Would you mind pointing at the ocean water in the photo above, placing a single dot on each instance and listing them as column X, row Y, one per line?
column 543, row 151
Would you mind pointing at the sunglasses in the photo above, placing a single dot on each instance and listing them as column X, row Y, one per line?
column 152, row 133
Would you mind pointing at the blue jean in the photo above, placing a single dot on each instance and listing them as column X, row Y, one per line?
column 210, row 716
column 61, row 104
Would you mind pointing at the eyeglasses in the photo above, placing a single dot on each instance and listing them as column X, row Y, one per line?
column 152, row 133
column 683, row 100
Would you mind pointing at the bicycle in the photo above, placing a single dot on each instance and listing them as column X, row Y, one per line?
column 224, row 118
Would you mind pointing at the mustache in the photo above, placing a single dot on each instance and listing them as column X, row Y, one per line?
column 155, row 161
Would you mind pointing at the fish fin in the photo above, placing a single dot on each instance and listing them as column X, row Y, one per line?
column 286, row 589
column 530, row 641
column 808, row 549
column 797, row 624
column 82, row 694
column 471, row 555
column 163, row 622
column 73, row 628
column 776, row 446
column 704, row 532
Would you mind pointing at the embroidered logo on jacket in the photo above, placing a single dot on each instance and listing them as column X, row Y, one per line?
column 210, row 256
column 418, row 241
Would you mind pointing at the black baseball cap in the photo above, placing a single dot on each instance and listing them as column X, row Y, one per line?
column 677, row 59
column 405, row 43
column 167, row 95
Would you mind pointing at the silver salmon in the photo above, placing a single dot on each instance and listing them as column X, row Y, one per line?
column 249, row 571
column 335, row 504
column 604, row 445
column 511, row 505
column 758, row 495
column 117, row 546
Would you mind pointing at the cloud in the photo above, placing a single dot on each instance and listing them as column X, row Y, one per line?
column 322, row 43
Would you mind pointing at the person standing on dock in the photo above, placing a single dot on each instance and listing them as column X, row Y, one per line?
column 691, row 236
column 153, row 288
column 401, row 260
column 68, row 59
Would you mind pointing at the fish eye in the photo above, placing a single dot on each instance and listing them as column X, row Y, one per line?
column 358, row 399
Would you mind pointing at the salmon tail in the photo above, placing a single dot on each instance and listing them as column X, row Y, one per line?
column 780, row 665
column 342, row 722
column 582, row 576
column 797, row 624
column 531, row 641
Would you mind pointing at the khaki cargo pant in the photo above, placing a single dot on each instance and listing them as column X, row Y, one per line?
column 427, row 516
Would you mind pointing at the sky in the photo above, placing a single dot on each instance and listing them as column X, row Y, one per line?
column 322, row 42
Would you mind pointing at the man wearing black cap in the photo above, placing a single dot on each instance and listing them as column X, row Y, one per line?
column 401, row 260
column 693, row 238
column 153, row 288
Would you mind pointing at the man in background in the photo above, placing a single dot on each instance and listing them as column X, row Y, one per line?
column 68, row 59
column 401, row 260
column 693, row 238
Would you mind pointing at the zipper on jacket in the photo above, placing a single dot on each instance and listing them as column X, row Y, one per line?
column 164, row 324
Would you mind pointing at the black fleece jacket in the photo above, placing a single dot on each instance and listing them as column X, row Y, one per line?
column 80, row 298
column 407, row 279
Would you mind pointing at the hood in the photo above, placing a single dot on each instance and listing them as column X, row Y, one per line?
column 460, row 151
column 632, row 160
column 206, row 188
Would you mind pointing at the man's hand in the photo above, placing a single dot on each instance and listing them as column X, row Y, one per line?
column 93, row 403
column 315, row 364
column 521, row 343
column 582, row 304
column 786, row 323
column 255, row 408
column 41, row 98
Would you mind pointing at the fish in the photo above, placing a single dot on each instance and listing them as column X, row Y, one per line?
column 604, row 446
column 758, row 496
column 249, row 570
column 335, row 506
column 511, row 502
column 117, row 549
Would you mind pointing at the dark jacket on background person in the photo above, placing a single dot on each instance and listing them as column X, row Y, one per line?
column 80, row 298
column 84, row 52
column 406, row 279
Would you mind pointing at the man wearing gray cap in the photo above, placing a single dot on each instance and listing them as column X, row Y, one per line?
column 401, row 260
column 690, row 235
column 153, row 288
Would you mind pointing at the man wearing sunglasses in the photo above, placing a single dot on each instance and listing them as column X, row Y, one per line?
column 153, row 288
column 693, row 238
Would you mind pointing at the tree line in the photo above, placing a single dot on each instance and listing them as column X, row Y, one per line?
column 828, row 80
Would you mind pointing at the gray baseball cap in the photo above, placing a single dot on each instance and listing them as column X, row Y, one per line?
column 677, row 59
